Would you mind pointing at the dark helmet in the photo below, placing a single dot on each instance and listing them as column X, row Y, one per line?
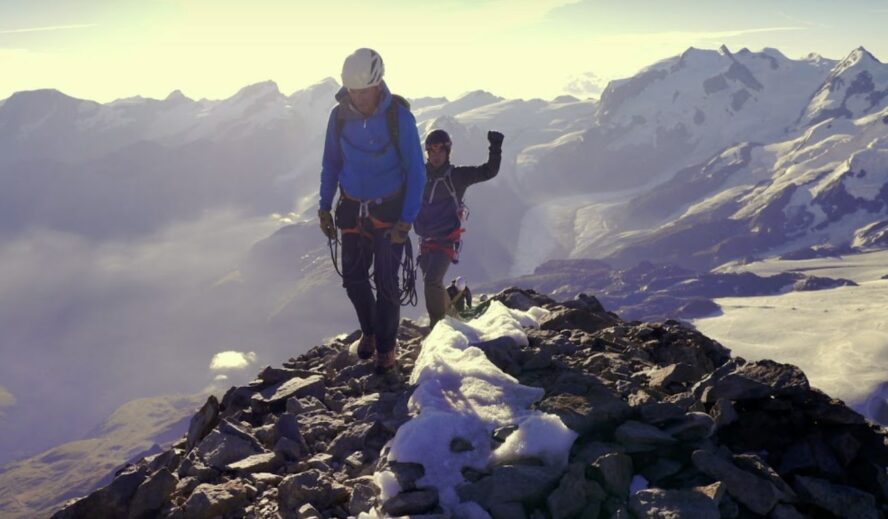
column 438, row 137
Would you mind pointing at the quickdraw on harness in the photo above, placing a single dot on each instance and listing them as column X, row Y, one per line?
column 451, row 243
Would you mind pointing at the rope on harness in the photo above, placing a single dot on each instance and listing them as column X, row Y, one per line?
column 408, row 276
column 406, row 288
column 333, row 245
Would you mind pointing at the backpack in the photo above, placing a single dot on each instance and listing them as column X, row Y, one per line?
column 391, row 119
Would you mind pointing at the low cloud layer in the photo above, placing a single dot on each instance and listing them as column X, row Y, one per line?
column 86, row 326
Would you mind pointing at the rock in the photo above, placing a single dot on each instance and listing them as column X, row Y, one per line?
column 824, row 409
column 266, row 478
column 460, row 445
column 692, row 426
column 840, row 500
column 353, row 438
column 755, row 493
column 810, row 453
column 784, row 511
column 407, row 473
column 598, row 410
column 265, row 462
column 226, row 444
column 614, row 472
column 202, row 422
column 295, row 387
column 503, row 352
column 209, row 501
column 307, row 511
column 716, row 491
column 723, row 413
column 659, row 412
column 508, row 511
column 111, row 501
column 657, row 503
column 363, row 497
column 411, row 503
column 311, row 487
column 308, row 404
column 755, row 465
column 677, row 374
column 638, row 433
column 661, row 469
column 270, row 375
column 846, row 447
column 576, row 319
column 569, row 498
column 152, row 494
column 753, row 380
column 511, row 483
column 290, row 449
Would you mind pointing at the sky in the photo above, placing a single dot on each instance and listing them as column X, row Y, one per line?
column 104, row 50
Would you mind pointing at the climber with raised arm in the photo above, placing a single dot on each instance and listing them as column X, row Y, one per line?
column 443, row 213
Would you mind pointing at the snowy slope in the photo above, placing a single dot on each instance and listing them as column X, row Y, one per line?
column 854, row 88
column 676, row 113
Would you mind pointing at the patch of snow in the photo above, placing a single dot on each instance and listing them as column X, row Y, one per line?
column 461, row 394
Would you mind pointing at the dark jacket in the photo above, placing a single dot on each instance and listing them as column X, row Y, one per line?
column 439, row 213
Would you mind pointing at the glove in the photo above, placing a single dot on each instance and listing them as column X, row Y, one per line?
column 496, row 140
column 398, row 233
column 327, row 225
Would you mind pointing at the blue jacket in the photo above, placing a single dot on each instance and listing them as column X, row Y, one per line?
column 364, row 162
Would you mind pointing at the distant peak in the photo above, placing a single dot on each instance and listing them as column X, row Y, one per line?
column 42, row 93
column 565, row 99
column 478, row 94
column 724, row 50
column 860, row 54
column 177, row 96
column 258, row 89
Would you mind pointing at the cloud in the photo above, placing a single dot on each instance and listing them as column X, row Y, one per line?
column 587, row 84
column 686, row 37
column 231, row 360
column 47, row 29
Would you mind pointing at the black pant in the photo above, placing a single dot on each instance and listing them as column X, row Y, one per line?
column 378, row 313
column 434, row 265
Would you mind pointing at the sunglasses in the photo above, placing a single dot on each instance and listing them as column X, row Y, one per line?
column 437, row 147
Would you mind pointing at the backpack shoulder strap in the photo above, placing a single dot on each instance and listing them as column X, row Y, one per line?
column 340, row 121
column 393, row 123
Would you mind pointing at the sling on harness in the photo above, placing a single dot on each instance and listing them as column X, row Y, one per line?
column 440, row 222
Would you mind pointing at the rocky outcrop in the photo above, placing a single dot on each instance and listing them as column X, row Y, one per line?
column 668, row 425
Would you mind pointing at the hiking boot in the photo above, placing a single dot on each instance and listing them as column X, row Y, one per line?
column 366, row 347
column 386, row 361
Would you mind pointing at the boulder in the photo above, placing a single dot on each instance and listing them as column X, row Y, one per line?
column 657, row 503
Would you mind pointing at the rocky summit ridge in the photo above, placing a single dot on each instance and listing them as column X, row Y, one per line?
column 667, row 424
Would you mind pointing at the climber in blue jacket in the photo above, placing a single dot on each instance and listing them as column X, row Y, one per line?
column 372, row 154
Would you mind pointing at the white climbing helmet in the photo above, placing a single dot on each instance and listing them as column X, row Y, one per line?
column 362, row 69
column 460, row 283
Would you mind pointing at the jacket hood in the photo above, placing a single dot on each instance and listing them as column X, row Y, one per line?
column 350, row 112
